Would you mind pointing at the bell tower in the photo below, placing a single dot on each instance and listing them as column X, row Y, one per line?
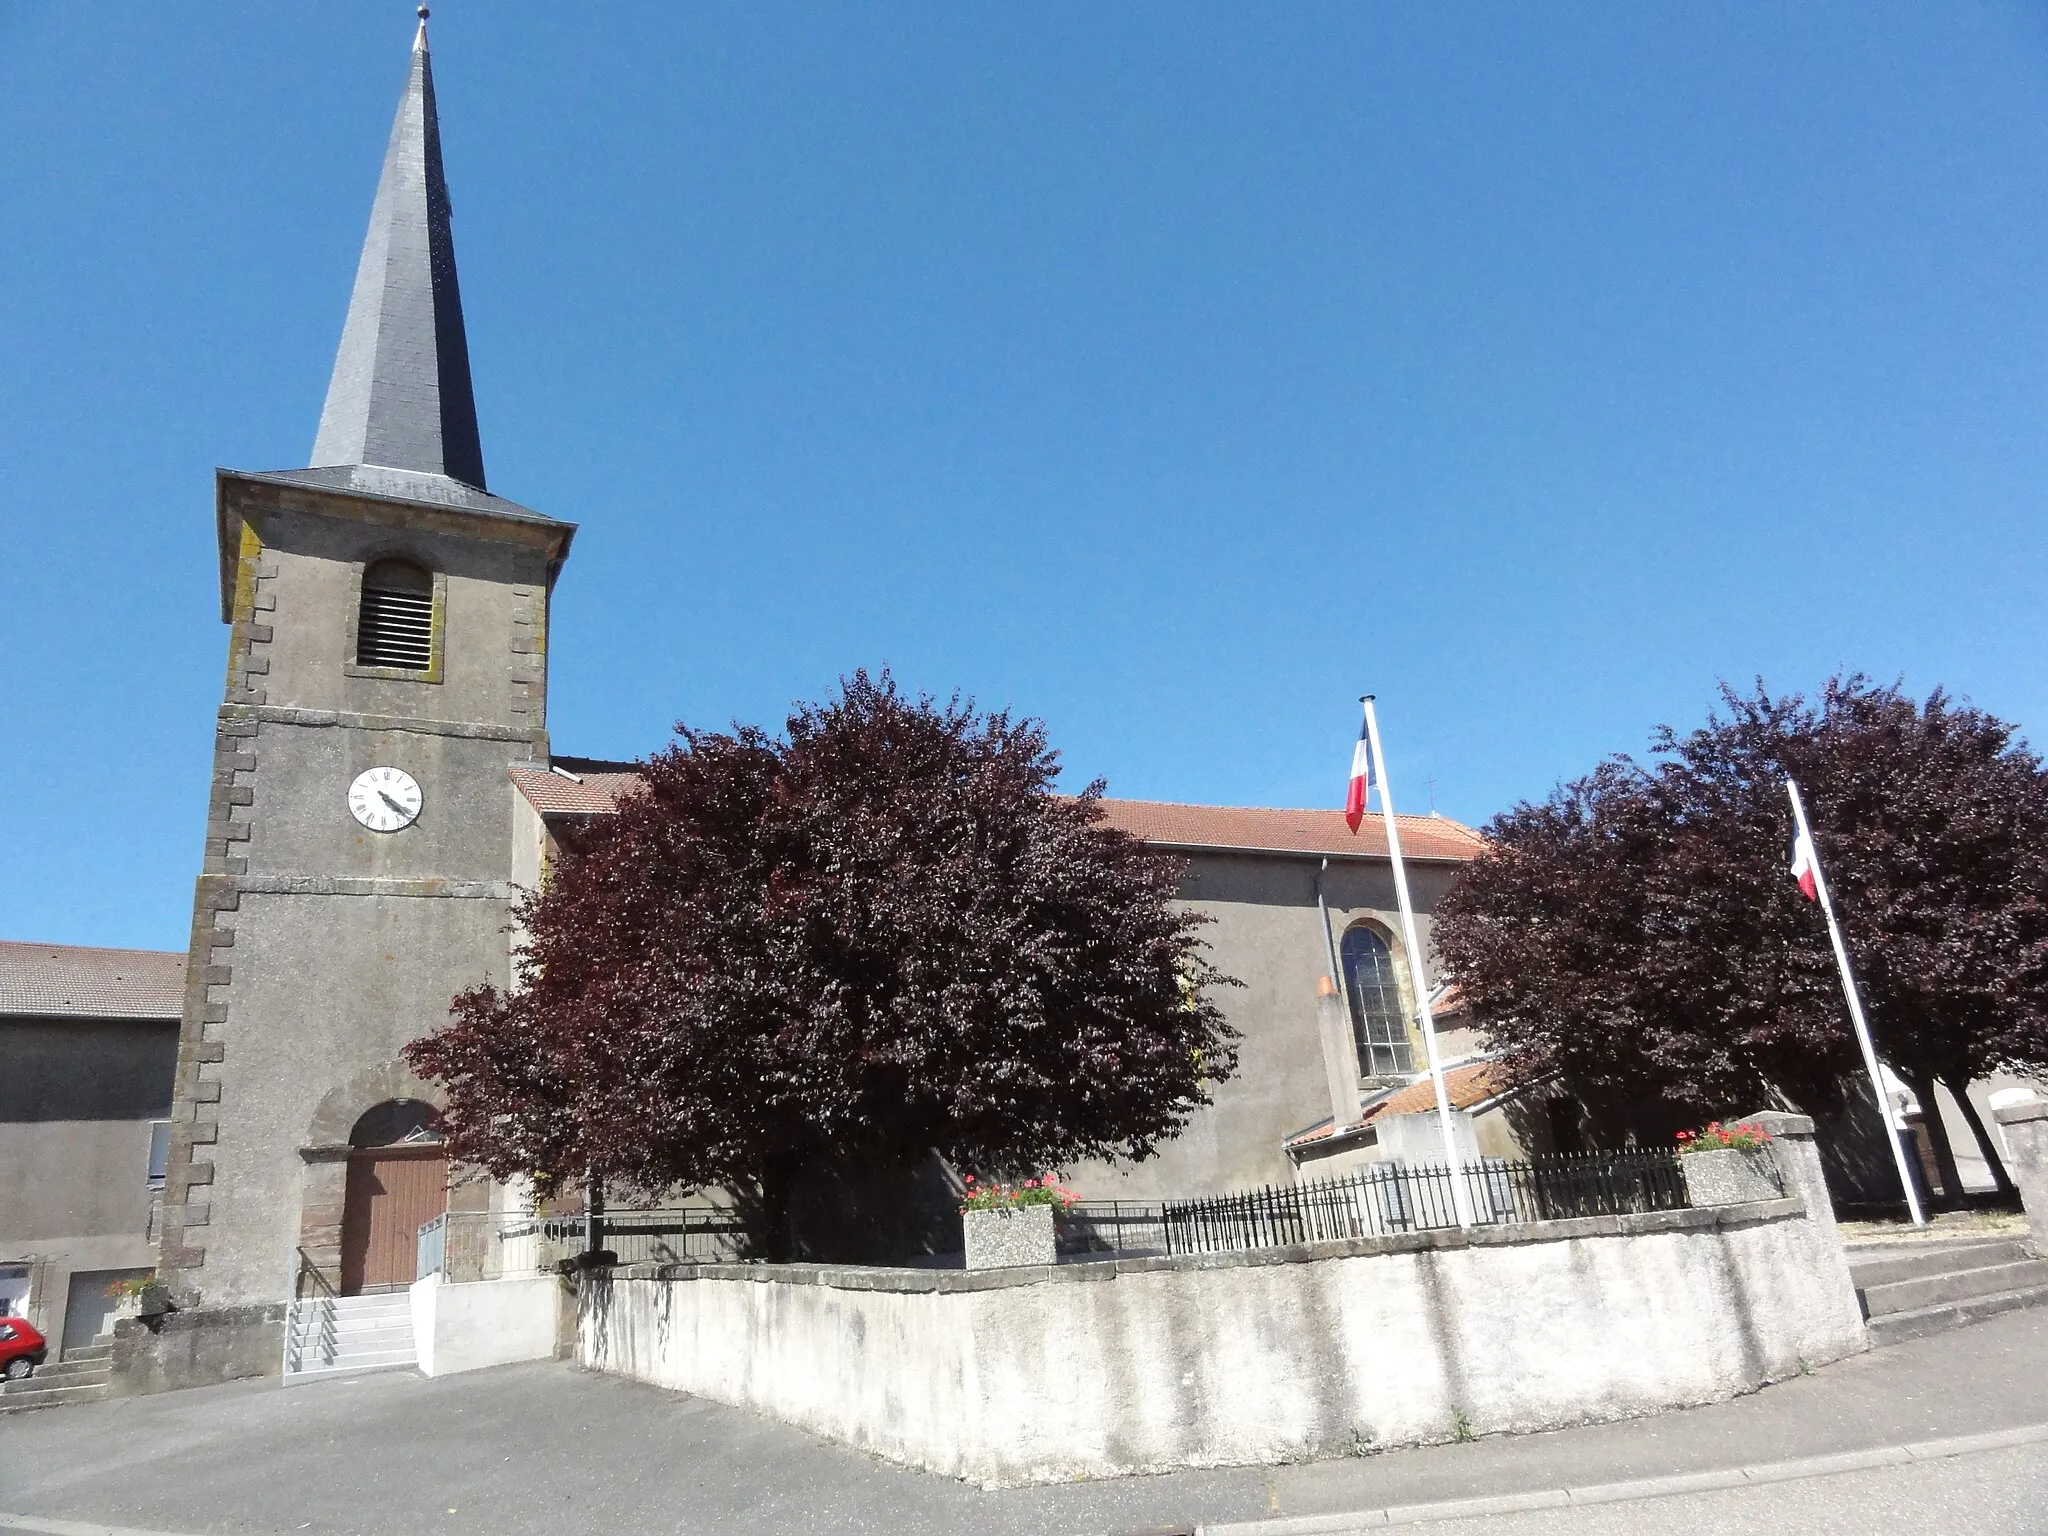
column 387, row 660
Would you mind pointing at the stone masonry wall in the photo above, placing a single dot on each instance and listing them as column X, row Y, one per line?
column 1142, row 1365
column 318, row 949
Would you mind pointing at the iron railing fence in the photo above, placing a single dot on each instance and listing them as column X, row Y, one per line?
column 1376, row 1201
column 1398, row 1197
column 492, row 1245
column 1111, row 1229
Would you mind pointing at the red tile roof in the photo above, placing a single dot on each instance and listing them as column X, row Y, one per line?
column 595, row 792
column 1473, row 1083
column 1273, row 831
column 76, row 982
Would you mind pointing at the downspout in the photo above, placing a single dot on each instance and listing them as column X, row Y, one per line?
column 1329, row 938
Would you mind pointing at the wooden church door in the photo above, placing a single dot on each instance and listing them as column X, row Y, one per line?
column 392, row 1192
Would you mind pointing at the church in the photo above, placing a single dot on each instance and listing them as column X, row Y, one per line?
column 384, row 785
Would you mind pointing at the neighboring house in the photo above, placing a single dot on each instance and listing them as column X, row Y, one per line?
column 88, row 1050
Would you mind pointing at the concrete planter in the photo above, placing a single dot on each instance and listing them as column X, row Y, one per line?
column 1729, row 1176
column 1006, row 1239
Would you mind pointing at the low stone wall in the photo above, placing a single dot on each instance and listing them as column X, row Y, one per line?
column 197, row 1348
column 1100, row 1369
column 481, row 1323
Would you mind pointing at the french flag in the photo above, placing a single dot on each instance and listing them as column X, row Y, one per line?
column 1803, row 867
column 1361, row 779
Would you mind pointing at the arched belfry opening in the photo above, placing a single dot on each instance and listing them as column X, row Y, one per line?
column 397, row 1182
column 395, row 621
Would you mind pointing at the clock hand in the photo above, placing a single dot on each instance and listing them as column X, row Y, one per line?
column 392, row 803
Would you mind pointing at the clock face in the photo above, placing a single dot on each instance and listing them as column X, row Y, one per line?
column 384, row 799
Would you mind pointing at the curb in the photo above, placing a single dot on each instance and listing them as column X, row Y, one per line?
column 1639, row 1488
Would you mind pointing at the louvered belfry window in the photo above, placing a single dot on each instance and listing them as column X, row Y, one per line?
column 396, row 625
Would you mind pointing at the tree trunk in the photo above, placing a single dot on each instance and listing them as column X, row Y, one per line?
column 593, row 1212
column 1986, row 1143
column 1937, row 1133
column 771, row 1215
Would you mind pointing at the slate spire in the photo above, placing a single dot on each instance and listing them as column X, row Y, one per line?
column 400, row 396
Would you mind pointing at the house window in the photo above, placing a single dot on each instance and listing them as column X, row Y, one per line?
column 395, row 624
column 1379, row 1024
column 159, row 1152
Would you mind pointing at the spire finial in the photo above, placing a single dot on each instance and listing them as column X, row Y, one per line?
column 419, row 41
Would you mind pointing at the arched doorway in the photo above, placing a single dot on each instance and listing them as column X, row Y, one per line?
column 397, row 1181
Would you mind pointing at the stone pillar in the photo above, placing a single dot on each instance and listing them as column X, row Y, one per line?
column 2026, row 1140
column 1798, row 1159
column 1340, row 1055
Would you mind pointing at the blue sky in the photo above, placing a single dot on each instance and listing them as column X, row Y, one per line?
column 1173, row 373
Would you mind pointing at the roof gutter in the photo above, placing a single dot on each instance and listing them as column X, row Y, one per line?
column 1296, row 853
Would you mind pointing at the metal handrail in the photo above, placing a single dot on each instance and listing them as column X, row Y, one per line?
column 321, row 1307
column 308, row 1270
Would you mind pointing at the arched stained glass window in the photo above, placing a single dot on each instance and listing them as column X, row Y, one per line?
column 1378, row 1022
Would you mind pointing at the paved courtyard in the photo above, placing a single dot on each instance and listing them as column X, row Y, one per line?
column 548, row 1449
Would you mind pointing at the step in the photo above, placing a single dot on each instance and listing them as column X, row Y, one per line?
column 49, row 1397
column 1897, row 1327
column 373, row 1343
column 95, row 1351
column 66, row 1370
column 350, row 1357
column 350, row 1327
column 348, row 1324
column 359, row 1360
column 1956, row 1285
column 1910, row 1261
column 392, row 1361
column 356, row 1306
column 390, row 1349
column 39, row 1382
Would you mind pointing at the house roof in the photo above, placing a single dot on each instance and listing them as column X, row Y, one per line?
column 77, row 982
column 597, row 786
column 1471, row 1084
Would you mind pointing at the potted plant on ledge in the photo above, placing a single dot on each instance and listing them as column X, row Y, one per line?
column 1007, row 1225
column 1728, row 1164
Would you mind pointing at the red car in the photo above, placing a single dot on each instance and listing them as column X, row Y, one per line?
column 21, row 1348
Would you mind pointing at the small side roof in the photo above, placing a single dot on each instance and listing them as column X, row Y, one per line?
column 575, row 786
column 76, row 981
column 595, row 789
column 1467, row 1086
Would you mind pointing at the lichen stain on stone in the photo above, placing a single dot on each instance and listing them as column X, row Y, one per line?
column 247, row 559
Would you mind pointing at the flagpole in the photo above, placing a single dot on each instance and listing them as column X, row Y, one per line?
column 1884, row 1107
column 1461, row 1198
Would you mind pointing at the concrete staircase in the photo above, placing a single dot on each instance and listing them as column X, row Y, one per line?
column 328, row 1336
column 80, row 1377
column 1912, row 1289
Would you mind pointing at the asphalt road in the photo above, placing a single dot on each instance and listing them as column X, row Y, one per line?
column 544, row 1448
